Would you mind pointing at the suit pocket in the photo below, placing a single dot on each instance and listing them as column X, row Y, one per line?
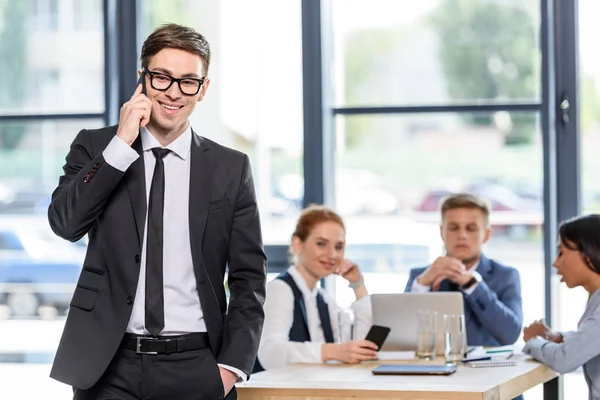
column 93, row 270
column 91, row 277
column 217, row 204
column 212, row 365
column 84, row 298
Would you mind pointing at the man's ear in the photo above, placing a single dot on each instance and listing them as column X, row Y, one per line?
column 203, row 89
column 487, row 235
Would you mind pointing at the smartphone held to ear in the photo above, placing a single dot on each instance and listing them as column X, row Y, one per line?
column 377, row 334
column 142, row 81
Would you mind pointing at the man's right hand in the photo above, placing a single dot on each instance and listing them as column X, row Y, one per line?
column 135, row 114
column 350, row 352
column 442, row 268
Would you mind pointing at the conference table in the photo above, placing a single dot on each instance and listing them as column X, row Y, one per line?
column 355, row 381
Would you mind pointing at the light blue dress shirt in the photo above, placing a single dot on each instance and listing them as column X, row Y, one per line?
column 578, row 348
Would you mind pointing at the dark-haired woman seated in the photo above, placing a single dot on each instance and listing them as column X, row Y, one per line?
column 578, row 262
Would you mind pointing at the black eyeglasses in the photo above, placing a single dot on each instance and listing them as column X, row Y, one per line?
column 162, row 82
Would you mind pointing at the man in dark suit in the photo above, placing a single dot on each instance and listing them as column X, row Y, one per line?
column 166, row 212
column 491, row 291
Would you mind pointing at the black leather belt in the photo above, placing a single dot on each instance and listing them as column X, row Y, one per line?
column 165, row 344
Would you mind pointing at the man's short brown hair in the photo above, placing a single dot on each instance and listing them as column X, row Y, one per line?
column 465, row 200
column 175, row 36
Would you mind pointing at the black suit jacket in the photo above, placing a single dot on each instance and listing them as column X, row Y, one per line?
column 110, row 206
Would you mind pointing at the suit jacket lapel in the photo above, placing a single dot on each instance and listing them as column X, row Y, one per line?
column 484, row 268
column 136, row 184
column 201, row 181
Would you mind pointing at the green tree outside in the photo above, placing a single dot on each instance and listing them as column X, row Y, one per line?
column 488, row 51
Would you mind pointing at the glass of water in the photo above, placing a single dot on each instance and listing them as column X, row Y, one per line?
column 426, row 334
column 454, row 337
column 345, row 326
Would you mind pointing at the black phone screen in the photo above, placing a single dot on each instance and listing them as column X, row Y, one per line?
column 377, row 334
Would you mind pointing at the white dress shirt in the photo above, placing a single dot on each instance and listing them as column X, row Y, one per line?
column 275, row 349
column 416, row 287
column 183, row 312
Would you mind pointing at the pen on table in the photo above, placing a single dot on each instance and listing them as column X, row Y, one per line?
column 510, row 355
column 470, row 350
column 477, row 359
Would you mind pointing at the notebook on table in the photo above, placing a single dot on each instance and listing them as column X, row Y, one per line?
column 491, row 363
column 414, row 369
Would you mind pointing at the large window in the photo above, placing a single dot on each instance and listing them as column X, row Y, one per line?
column 445, row 53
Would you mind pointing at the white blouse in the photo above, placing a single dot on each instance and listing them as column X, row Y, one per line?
column 275, row 349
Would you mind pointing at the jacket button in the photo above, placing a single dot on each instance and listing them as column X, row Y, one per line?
column 129, row 300
column 137, row 258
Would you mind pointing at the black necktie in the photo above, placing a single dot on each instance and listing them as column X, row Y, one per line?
column 155, row 313
column 325, row 321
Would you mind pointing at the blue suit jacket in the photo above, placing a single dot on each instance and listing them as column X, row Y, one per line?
column 493, row 312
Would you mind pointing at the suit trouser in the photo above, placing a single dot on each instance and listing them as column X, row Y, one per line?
column 188, row 375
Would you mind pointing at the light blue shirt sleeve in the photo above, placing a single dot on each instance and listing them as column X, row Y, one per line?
column 576, row 349
column 119, row 154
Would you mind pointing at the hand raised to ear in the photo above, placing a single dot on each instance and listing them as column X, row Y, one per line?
column 135, row 114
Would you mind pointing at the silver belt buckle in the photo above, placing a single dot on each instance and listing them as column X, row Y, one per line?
column 138, row 346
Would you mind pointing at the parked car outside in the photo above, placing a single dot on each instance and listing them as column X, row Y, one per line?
column 37, row 268
column 513, row 214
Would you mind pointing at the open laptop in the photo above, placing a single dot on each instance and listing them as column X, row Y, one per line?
column 399, row 312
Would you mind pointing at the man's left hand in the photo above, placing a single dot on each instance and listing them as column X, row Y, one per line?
column 229, row 379
column 463, row 278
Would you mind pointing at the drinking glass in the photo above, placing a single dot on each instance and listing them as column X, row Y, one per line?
column 426, row 334
column 345, row 326
column 454, row 338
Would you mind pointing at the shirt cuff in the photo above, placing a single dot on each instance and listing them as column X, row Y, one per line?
column 119, row 154
column 241, row 375
column 418, row 288
column 536, row 342
column 472, row 288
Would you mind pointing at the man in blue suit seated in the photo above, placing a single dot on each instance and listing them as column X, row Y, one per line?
column 491, row 291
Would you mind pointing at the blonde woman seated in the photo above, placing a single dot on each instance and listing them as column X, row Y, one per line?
column 578, row 262
column 300, row 318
